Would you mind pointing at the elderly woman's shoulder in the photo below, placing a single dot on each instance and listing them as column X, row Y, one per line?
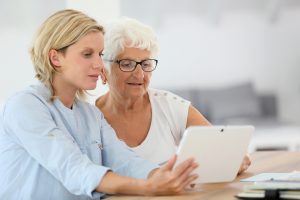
column 165, row 95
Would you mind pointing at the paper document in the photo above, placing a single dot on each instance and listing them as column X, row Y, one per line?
column 272, row 186
column 277, row 177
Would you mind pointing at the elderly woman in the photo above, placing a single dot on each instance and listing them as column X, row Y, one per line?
column 150, row 121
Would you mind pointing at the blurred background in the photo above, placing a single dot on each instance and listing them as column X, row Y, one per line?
column 238, row 61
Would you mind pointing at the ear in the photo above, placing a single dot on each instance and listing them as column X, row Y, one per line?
column 54, row 58
column 103, row 75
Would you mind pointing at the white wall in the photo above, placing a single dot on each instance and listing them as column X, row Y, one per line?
column 205, row 43
column 242, row 47
column 19, row 21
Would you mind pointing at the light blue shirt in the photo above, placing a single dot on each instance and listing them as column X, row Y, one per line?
column 48, row 151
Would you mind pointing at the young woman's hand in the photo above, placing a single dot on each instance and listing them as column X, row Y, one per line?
column 167, row 181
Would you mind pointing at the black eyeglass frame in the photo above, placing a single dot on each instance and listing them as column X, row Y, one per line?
column 136, row 64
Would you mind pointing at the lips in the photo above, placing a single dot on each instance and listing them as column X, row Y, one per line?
column 135, row 84
column 95, row 77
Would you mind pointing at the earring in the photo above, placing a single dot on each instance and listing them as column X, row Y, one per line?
column 103, row 82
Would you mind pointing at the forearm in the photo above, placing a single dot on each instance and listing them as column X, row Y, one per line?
column 161, row 181
column 112, row 183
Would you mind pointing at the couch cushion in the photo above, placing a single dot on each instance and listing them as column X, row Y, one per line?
column 194, row 95
column 233, row 102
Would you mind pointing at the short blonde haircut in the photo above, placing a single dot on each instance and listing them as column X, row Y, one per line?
column 59, row 31
column 127, row 32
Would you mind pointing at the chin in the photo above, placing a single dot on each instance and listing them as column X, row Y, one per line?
column 138, row 93
column 90, row 87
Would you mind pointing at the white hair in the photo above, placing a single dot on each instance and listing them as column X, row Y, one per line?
column 127, row 32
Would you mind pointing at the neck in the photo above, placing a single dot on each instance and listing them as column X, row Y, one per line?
column 65, row 94
column 124, row 105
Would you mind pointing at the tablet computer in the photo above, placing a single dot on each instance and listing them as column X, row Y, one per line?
column 219, row 151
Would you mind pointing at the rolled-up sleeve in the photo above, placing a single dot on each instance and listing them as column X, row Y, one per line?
column 29, row 121
column 121, row 159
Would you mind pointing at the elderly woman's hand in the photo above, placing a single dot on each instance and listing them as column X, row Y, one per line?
column 167, row 180
column 245, row 164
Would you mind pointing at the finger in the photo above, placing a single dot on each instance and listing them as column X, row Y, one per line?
column 189, row 181
column 245, row 164
column 170, row 164
column 181, row 168
column 187, row 173
column 248, row 159
column 243, row 168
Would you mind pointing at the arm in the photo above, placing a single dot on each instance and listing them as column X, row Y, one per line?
column 119, row 157
column 161, row 181
column 196, row 118
column 28, row 120
column 147, row 179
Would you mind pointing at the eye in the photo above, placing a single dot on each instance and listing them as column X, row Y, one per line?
column 87, row 54
column 147, row 64
column 126, row 63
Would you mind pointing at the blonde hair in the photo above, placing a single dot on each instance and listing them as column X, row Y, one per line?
column 128, row 32
column 59, row 31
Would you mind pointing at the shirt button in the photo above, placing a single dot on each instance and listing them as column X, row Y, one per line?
column 100, row 146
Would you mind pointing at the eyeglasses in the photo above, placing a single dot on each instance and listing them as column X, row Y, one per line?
column 127, row 65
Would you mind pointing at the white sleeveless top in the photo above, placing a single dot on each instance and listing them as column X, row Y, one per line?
column 169, row 118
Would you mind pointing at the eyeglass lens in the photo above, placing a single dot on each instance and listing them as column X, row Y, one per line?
column 130, row 65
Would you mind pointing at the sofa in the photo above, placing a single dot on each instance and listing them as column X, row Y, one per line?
column 241, row 105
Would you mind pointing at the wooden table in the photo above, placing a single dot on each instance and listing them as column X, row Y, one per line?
column 272, row 161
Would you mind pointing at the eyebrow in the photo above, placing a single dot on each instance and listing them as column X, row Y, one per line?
column 90, row 49
column 128, row 58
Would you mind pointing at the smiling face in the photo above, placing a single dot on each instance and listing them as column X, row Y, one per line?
column 129, row 84
column 79, row 66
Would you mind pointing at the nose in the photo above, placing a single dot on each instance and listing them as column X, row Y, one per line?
column 139, row 72
column 98, row 63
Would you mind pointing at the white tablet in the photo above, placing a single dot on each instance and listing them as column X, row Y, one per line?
column 219, row 151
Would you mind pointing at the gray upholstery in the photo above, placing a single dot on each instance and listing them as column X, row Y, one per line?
column 233, row 102
column 238, row 104
column 242, row 105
